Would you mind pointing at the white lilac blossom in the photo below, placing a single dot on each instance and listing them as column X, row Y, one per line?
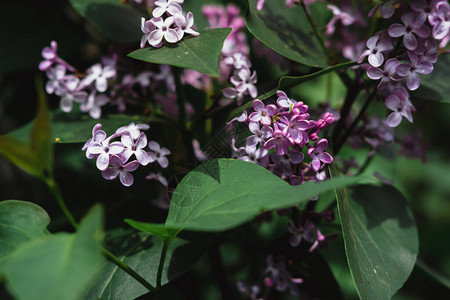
column 185, row 25
column 93, row 105
column 171, row 7
column 112, row 156
column 100, row 75
column 51, row 57
column 377, row 45
column 162, row 30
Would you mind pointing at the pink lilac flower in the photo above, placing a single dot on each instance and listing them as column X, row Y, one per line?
column 283, row 162
column 98, row 136
column 260, row 4
column 413, row 69
column 295, row 129
column 278, row 141
column 118, row 168
column 93, row 105
column 134, row 130
column 147, row 27
column 386, row 75
column 259, row 135
column 440, row 20
column 401, row 106
column 376, row 47
column 238, row 61
column 318, row 154
column 338, row 14
column 284, row 101
column 185, row 25
column 158, row 154
column 135, row 146
column 162, row 30
column 244, row 84
column 50, row 58
column 408, row 30
column 171, row 7
column 262, row 113
column 100, row 76
column 104, row 150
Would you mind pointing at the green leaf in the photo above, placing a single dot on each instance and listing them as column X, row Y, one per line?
column 155, row 229
column 78, row 131
column 435, row 85
column 142, row 252
column 20, row 222
column 116, row 20
column 223, row 193
column 200, row 53
column 380, row 239
column 57, row 267
column 41, row 131
column 21, row 155
column 286, row 82
column 287, row 30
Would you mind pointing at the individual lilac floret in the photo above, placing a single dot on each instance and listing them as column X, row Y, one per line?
column 413, row 69
column 318, row 155
column 56, row 77
column 238, row 61
column 280, row 277
column 162, row 30
column 376, row 47
column 244, row 84
column 93, row 105
column 338, row 14
column 401, row 106
column 171, row 7
column 284, row 101
column 147, row 27
column 262, row 113
column 100, row 75
column 385, row 75
column 72, row 94
column 104, row 149
column 253, row 154
column 51, row 57
column 158, row 154
column 98, row 136
column 118, row 168
column 278, row 141
column 440, row 20
column 135, row 146
column 259, row 135
column 295, row 129
column 132, row 129
column 185, row 25
column 408, row 29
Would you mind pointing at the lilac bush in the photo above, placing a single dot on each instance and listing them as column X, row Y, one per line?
column 284, row 121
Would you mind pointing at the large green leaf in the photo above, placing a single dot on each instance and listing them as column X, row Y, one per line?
column 20, row 222
column 224, row 193
column 116, row 20
column 21, row 155
column 77, row 131
column 61, row 266
column 380, row 238
column 287, row 30
column 200, row 53
column 435, row 85
column 142, row 252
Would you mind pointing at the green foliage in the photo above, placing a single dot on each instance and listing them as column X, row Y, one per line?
column 59, row 266
column 200, row 53
column 287, row 30
column 380, row 239
column 117, row 21
column 223, row 193
column 20, row 222
column 142, row 252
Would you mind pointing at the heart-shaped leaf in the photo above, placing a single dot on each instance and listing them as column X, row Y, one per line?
column 287, row 30
column 61, row 266
column 200, row 53
column 380, row 238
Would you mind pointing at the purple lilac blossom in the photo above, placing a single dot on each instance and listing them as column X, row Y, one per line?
column 401, row 106
column 132, row 129
column 158, row 154
column 93, row 105
column 386, row 75
column 262, row 113
column 118, row 168
column 158, row 177
column 377, row 45
column 412, row 70
column 135, row 146
column 408, row 30
column 318, row 154
column 280, row 277
column 104, row 149
column 387, row 9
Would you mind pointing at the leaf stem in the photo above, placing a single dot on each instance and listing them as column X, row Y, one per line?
column 57, row 194
column 161, row 262
column 111, row 257
column 350, row 130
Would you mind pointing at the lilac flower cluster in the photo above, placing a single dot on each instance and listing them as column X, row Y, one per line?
column 422, row 24
column 172, row 29
column 287, row 128
column 113, row 157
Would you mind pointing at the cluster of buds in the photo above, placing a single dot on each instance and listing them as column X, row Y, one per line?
column 113, row 157
column 287, row 128
column 172, row 29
